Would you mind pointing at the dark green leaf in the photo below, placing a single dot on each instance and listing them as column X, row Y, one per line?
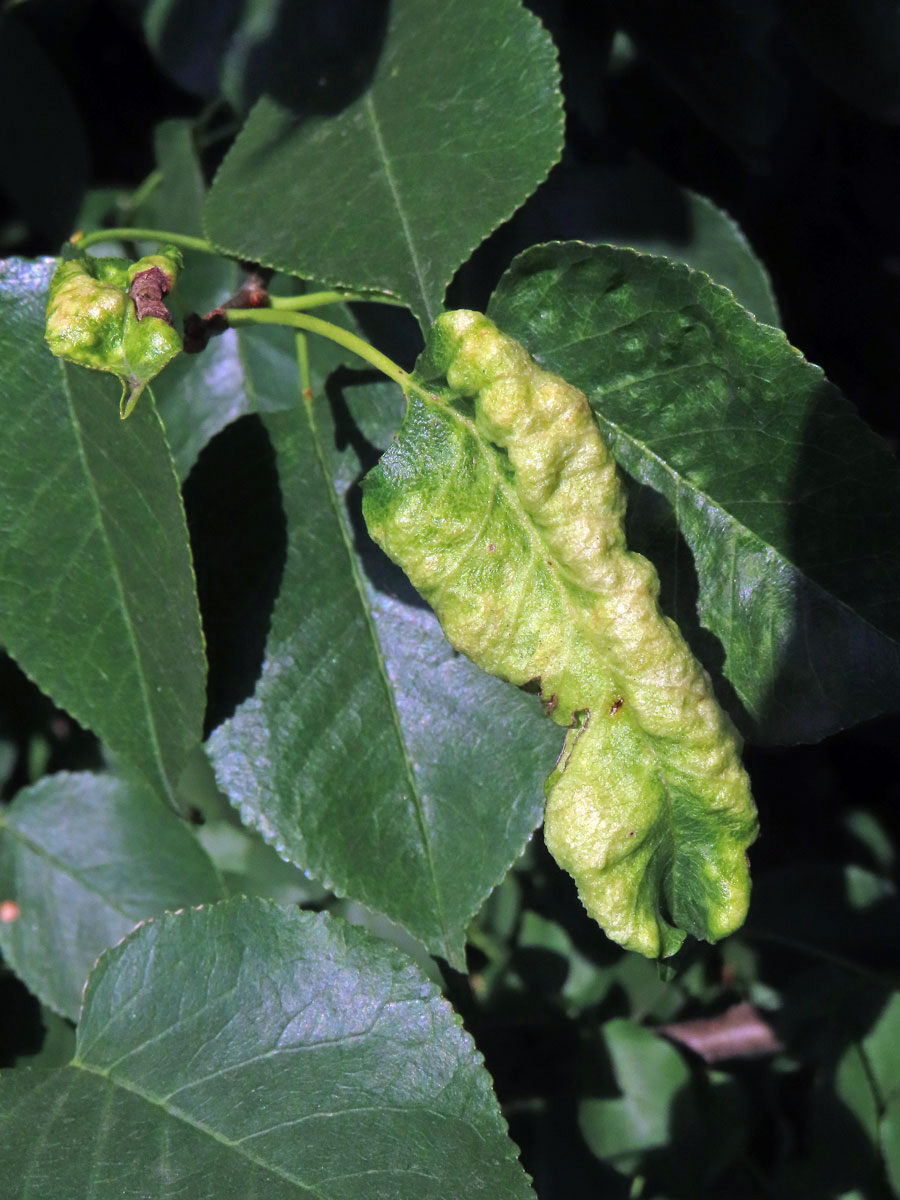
column 246, row 1050
column 237, row 373
column 789, row 504
column 549, row 951
column 246, row 370
column 844, row 1111
column 460, row 124
column 76, row 858
column 853, row 1086
column 371, row 753
column 190, row 37
column 634, row 204
column 310, row 52
column 890, row 1141
column 58, row 1045
column 705, row 238
column 238, row 49
column 97, row 599
column 248, row 865
column 682, row 1136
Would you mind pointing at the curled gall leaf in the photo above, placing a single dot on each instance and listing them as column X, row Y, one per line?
column 108, row 314
column 502, row 503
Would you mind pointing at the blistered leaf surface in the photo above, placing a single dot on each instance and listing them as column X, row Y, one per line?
column 246, row 1050
column 503, row 506
column 789, row 505
column 108, row 314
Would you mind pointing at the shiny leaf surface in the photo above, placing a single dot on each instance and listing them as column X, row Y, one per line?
column 758, row 456
column 464, row 103
column 246, row 1050
column 74, row 860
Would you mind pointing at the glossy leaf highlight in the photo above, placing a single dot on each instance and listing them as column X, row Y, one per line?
column 246, row 1050
column 75, row 860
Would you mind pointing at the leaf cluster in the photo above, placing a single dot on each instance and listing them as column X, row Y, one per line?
column 222, row 703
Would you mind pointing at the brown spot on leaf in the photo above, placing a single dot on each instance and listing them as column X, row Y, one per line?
column 550, row 705
column 147, row 291
column 491, row 547
column 616, row 705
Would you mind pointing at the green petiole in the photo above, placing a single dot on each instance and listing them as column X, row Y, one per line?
column 284, row 310
column 334, row 333
column 318, row 299
column 184, row 241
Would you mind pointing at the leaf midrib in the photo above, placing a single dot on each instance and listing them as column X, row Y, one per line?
column 62, row 867
column 418, row 807
column 149, row 719
column 381, row 150
column 238, row 1147
column 158, row 1103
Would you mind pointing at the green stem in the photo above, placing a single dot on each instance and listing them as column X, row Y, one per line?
column 185, row 240
column 303, row 366
column 317, row 299
column 334, row 333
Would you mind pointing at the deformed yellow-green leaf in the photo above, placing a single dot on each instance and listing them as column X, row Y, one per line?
column 92, row 319
column 501, row 502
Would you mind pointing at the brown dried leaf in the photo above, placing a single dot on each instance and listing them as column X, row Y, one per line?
column 739, row 1032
